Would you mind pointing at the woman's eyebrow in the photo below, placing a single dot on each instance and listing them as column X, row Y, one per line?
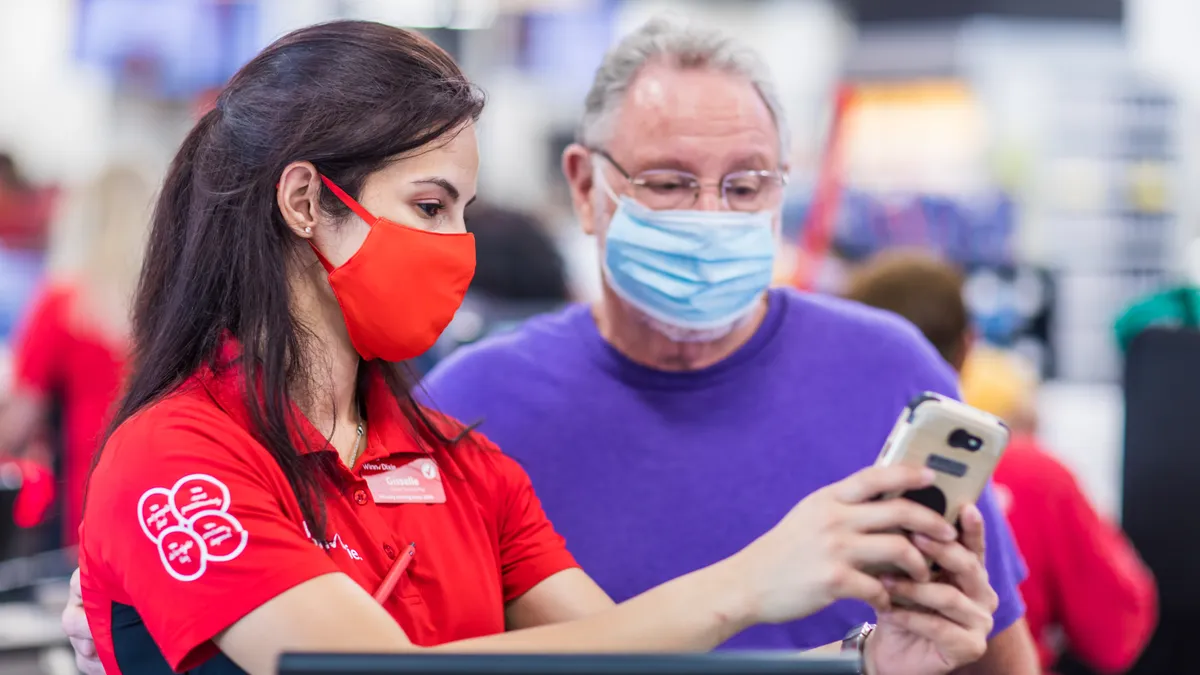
column 446, row 185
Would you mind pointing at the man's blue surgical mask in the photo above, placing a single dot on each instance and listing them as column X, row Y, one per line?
column 691, row 270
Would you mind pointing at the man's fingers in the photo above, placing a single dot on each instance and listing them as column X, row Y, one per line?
column 943, row 599
column 900, row 514
column 973, row 535
column 876, row 480
column 966, row 569
column 959, row 645
column 952, row 556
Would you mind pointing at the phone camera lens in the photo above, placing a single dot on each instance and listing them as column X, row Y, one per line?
column 961, row 438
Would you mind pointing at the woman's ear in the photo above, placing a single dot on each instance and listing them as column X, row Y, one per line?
column 298, row 196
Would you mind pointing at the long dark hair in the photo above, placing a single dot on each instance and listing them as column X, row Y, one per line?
column 348, row 96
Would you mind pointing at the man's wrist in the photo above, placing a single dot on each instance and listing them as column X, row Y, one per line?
column 868, row 666
column 858, row 642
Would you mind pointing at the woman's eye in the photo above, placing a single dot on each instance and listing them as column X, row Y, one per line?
column 430, row 209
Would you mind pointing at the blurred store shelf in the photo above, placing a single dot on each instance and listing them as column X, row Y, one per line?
column 31, row 637
column 1082, row 424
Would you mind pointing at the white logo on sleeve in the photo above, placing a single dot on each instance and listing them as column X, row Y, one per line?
column 191, row 525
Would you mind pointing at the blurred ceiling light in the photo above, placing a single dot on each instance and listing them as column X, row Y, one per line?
column 517, row 6
column 475, row 14
column 453, row 14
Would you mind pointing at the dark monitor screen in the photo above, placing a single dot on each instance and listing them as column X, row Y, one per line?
column 720, row 663
column 884, row 11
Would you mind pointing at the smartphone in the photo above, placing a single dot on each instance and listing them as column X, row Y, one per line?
column 961, row 444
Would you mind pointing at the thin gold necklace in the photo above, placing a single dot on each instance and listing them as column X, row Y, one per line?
column 357, row 445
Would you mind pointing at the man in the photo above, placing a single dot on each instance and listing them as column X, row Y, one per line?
column 1086, row 582
column 667, row 424
column 670, row 424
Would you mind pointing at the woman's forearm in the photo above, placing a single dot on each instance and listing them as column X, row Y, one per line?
column 696, row 612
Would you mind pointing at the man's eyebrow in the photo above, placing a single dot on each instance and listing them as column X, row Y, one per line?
column 442, row 183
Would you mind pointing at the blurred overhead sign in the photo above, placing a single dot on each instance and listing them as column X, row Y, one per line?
column 167, row 48
column 878, row 11
column 452, row 14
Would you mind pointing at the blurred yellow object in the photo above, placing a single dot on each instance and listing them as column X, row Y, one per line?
column 914, row 92
column 1148, row 187
column 998, row 382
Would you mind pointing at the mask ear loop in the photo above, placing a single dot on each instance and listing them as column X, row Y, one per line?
column 598, row 168
column 350, row 203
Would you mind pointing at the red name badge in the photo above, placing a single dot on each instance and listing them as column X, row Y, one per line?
column 417, row 482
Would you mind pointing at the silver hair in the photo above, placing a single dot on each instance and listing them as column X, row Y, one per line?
column 680, row 45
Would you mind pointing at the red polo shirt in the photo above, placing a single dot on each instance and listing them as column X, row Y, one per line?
column 190, row 525
column 55, row 355
column 1085, row 580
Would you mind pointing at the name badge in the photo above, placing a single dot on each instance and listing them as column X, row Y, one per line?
column 417, row 482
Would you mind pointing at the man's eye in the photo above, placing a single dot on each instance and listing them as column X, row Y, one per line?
column 668, row 187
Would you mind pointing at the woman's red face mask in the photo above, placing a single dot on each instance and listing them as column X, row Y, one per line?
column 402, row 287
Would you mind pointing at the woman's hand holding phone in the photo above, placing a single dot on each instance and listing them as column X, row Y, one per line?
column 820, row 551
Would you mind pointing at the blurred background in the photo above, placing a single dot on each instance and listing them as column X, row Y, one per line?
column 1044, row 146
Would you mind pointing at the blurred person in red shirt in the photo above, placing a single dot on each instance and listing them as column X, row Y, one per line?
column 25, row 210
column 1087, row 592
column 71, row 344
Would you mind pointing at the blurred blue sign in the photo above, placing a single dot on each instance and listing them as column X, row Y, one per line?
column 20, row 275
column 971, row 231
column 168, row 48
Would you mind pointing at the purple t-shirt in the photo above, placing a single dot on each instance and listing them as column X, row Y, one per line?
column 650, row 474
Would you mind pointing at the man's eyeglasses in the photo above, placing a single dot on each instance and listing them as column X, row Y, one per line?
column 667, row 189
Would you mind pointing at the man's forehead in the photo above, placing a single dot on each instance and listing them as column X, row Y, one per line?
column 676, row 113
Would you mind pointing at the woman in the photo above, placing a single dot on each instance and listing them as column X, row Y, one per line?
column 74, row 339
column 269, row 469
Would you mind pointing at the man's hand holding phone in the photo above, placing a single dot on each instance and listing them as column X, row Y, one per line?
column 946, row 621
column 842, row 532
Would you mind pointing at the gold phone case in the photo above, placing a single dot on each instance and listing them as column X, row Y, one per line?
column 961, row 444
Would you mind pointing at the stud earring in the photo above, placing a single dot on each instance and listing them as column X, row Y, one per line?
column 308, row 230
